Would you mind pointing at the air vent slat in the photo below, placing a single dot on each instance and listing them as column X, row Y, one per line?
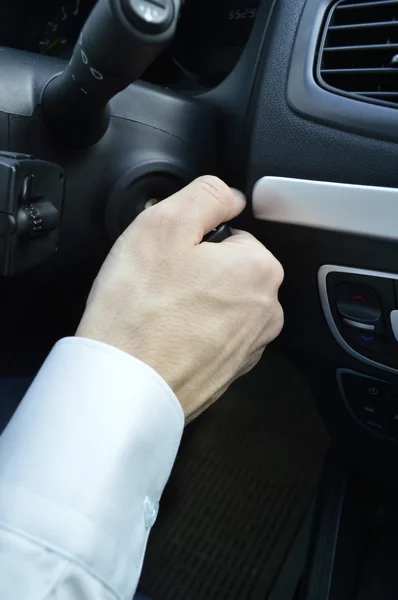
column 352, row 26
column 390, row 98
column 354, row 72
column 363, row 13
column 367, row 5
column 370, row 48
column 358, row 55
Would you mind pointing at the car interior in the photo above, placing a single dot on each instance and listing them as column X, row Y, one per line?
column 287, row 487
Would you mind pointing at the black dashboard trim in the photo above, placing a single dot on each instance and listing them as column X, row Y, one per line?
column 233, row 96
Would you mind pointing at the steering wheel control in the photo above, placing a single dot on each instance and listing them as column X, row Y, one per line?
column 118, row 43
column 31, row 196
column 372, row 402
column 120, row 144
column 361, row 309
column 150, row 16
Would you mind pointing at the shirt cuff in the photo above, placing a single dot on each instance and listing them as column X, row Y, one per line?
column 85, row 458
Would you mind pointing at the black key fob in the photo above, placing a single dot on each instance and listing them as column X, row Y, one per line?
column 220, row 233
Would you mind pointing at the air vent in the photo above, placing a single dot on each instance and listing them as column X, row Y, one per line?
column 358, row 55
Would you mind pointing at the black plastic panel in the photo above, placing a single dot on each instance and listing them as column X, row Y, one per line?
column 232, row 98
column 311, row 101
column 307, row 336
column 282, row 143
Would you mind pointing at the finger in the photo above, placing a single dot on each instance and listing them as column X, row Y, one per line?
column 202, row 206
column 258, row 251
column 238, row 236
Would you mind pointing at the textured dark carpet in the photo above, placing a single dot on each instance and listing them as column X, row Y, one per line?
column 244, row 477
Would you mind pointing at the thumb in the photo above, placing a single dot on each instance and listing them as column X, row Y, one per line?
column 203, row 205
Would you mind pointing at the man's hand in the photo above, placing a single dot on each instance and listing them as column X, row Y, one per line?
column 200, row 314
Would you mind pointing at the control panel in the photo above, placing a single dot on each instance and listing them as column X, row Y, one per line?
column 361, row 309
column 372, row 402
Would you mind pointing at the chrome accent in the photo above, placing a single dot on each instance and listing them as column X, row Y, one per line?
column 394, row 323
column 358, row 325
column 342, row 207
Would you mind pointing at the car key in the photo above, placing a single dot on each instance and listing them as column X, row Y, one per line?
column 220, row 233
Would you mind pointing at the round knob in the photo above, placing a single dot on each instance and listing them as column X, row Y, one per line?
column 149, row 16
column 38, row 218
column 29, row 221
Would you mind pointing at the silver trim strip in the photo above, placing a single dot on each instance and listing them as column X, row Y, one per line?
column 359, row 325
column 394, row 323
column 342, row 207
column 323, row 272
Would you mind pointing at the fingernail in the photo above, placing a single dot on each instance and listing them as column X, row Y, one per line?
column 240, row 195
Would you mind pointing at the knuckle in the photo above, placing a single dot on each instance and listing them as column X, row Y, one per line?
column 278, row 273
column 279, row 318
column 272, row 268
column 275, row 323
column 265, row 261
column 256, row 252
column 213, row 187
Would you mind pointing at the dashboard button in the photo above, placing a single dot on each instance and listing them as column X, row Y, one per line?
column 367, row 399
column 358, row 303
column 367, row 387
column 368, row 407
column 378, row 424
column 373, row 342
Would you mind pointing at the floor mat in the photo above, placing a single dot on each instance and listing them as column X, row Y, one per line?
column 246, row 472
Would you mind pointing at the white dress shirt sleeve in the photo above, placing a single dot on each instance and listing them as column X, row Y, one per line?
column 83, row 464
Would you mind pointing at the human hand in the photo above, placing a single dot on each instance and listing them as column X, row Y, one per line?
column 200, row 314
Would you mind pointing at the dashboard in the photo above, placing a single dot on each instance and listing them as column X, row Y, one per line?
column 210, row 39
